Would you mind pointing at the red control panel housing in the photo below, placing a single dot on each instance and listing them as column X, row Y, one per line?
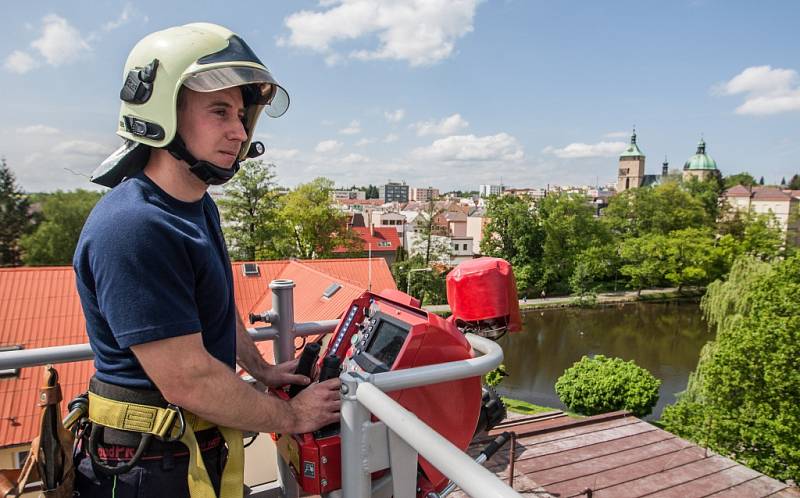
column 388, row 332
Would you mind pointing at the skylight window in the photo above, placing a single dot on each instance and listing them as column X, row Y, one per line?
column 251, row 270
column 331, row 290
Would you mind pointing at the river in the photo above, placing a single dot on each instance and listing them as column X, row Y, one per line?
column 664, row 338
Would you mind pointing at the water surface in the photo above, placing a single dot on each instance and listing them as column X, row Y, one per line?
column 664, row 338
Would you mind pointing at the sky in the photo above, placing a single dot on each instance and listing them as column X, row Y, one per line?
column 444, row 93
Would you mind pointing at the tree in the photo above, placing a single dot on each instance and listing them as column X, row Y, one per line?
column 314, row 228
column 644, row 260
column 54, row 240
column 514, row 233
column 250, row 211
column 601, row 385
column 14, row 220
column 660, row 209
column 431, row 243
column 595, row 264
column 692, row 258
column 794, row 182
column 741, row 401
column 761, row 181
column 569, row 227
column 707, row 192
column 744, row 178
column 429, row 286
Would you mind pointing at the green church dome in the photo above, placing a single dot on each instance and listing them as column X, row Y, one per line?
column 633, row 149
column 700, row 160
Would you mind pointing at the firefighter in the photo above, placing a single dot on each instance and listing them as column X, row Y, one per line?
column 166, row 407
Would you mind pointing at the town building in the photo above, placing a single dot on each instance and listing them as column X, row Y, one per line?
column 339, row 195
column 376, row 242
column 631, row 168
column 784, row 205
column 424, row 194
column 393, row 192
column 700, row 165
column 490, row 190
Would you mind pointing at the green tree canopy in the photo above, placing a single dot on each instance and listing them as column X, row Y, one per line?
column 14, row 220
column 742, row 399
column 54, row 240
column 514, row 233
column 250, row 212
column 645, row 260
column 660, row 209
column 743, row 178
column 794, row 182
column 601, row 385
column 569, row 228
column 314, row 228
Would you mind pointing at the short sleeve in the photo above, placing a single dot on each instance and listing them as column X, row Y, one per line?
column 144, row 282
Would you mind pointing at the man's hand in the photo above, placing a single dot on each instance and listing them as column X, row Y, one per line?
column 282, row 374
column 316, row 406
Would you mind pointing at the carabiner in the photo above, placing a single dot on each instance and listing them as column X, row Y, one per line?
column 181, row 420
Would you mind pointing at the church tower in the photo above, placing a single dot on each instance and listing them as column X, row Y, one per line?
column 631, row 166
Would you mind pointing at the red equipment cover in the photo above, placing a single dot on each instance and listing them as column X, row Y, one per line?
column 484, row 288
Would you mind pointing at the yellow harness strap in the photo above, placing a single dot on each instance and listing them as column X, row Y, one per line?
column 158, row 421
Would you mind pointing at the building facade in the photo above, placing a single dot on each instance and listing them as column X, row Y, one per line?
column 394, row 192
column 631, row 167
column 424, row 194
column 490, row 190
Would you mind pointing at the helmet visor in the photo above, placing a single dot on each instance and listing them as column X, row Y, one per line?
column 267, row 91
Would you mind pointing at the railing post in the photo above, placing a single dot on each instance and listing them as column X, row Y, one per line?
column 283, row 308
column 356, row 481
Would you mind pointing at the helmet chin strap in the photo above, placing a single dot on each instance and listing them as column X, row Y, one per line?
column 208, row 172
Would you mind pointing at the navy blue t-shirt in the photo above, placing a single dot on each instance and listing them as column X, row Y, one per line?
column 151, row 267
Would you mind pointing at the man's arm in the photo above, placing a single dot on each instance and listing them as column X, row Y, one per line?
column 189, row 377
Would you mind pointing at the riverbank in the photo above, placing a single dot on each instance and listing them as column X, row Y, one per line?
column 601, row 299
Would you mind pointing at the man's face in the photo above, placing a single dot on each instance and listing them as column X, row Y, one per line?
column 210, row 124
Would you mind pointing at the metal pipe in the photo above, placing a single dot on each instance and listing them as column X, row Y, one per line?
column 471, row 477
column 432, row 374
column 356, row 481
column 23, row 358
column 283, row 306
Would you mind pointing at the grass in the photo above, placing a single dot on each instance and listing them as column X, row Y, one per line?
column 526, row 408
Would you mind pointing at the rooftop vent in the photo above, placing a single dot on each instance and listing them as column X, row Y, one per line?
column 331, row 290
column 251, row 270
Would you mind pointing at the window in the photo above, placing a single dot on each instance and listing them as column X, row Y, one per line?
column 384, row 243
column 9, row 372
column 19, row 458
column 465, row 247
column 250, row 270
column 331, row 290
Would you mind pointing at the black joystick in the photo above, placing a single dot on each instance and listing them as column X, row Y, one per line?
column 307, row 359
column 330, row 368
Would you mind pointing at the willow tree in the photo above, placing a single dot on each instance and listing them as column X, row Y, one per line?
column 742, row 400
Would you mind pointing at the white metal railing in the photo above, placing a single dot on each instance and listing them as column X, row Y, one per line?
column 393, row 442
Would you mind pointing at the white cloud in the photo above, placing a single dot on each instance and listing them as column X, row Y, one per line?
column 391, row 137
column 365, row 141
column 395, row 116
column 500, row 147
column 277, row 155
column 82, row 148
column 60, row 42
column 618, row 134
column 38, row 129
column 767, row 90
column 446, row 126
column 20, row 62
column 354, row 128
column 124, row 17
column 581, row 150
column 418, row 31
column 327, row 146
column 355, row 159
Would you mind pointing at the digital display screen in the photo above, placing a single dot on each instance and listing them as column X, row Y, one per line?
column 387, row 340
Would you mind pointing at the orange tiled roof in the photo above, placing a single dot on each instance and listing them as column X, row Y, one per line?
column 39, row 307
column 382, row 239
